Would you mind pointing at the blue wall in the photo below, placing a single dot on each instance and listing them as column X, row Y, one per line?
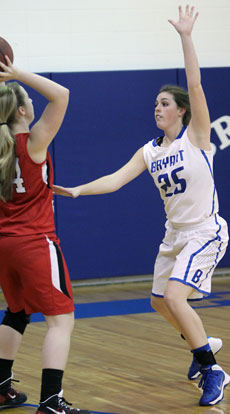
column 110, row 116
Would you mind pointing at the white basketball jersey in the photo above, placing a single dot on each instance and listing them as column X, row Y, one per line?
column 183, row 174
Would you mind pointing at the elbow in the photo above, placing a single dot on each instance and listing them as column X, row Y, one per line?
column 64, row 98
column 65, row 95
column 115, row 188
column 116, row 184
column 67, row 92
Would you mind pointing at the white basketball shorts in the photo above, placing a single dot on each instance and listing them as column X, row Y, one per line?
column 189, row 255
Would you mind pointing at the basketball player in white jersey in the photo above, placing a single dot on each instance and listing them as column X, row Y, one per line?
column 181, row 164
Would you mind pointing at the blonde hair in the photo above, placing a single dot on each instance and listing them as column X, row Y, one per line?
column 8, row 107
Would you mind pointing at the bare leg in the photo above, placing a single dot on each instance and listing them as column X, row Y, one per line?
column 159, row 305
column 57, row 341
column 186, row 318
column 10, row 340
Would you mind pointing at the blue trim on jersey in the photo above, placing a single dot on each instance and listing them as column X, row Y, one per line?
column 181, row 132
column 214, row 189
column 154, row 142
column 202, row 248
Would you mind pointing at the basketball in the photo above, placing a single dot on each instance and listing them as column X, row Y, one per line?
column 5, row 49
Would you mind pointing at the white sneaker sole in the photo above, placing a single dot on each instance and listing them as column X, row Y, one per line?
column 215, row 344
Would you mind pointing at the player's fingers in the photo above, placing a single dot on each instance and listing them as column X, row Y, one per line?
column 180, row 11
column 172, row 22
column 9, row 63
column 191, row 11
column 3, row 66
column 56, row 189
column 59, row 190
column 187, row 10
column 195, row 17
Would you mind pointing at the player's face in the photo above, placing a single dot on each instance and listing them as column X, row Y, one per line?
column 167, row 112
column 28, row 106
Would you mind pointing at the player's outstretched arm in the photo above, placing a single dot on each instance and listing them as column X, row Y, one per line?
column 199, row 128
column 108, row 183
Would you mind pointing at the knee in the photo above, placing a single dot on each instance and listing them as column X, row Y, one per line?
column 170, row 299
column 16, row 320
column 63, row 322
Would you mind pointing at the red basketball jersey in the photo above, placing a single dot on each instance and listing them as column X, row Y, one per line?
column 31, row 209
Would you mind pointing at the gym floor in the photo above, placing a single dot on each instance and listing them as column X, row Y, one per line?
column 124, row 357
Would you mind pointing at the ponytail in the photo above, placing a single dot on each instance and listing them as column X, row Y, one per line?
column 8, row 107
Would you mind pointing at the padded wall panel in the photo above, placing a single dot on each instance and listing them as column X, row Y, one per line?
column 110, row 116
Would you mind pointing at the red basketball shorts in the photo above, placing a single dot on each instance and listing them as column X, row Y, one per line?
column 34, row 275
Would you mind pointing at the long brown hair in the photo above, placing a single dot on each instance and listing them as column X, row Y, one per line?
column 10, row 98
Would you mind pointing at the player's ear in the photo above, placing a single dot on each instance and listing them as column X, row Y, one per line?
column 21, row 110
column 181, row 111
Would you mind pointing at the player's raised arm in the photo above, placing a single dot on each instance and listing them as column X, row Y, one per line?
column 47, row 126
column 199, row 128
column 45, row 129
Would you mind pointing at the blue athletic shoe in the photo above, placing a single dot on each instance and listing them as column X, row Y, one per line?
column 213, row 382
column 194, row 369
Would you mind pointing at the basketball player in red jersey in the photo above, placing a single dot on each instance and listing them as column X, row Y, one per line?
column 34, row 276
